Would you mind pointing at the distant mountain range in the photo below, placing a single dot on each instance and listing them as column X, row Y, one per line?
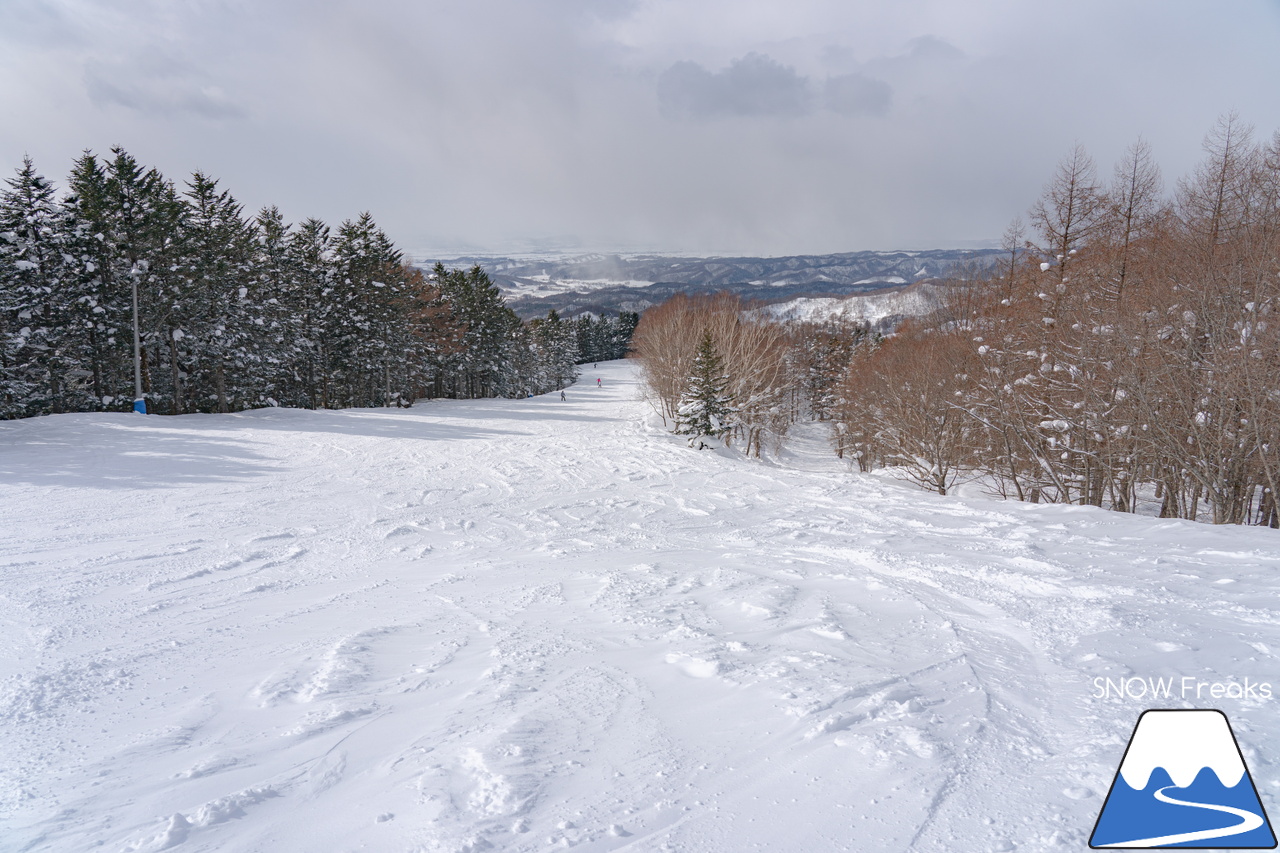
column 607, row 283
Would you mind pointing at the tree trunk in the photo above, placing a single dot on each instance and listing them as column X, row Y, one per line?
column 178, row 404
column 220, row 380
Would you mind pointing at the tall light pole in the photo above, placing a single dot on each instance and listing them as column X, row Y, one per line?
column 139, row 402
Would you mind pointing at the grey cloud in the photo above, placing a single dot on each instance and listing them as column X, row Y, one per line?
column 932, row 47
column 610, row 10
column 754, row 85
column 843, row 124
column 158, row 87
column 757, row 85
column 37, row 23
column 857, row 94
column 838, row 56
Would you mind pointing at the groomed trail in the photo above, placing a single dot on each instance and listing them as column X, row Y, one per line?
column 526, row 624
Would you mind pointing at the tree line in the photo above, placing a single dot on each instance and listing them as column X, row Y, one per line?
column 717, row 368
column 1125, row 354
column 1128, row 349
column 237, row 312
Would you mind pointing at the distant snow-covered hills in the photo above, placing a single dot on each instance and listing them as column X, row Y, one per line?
column 881, row 309
column 606, row 283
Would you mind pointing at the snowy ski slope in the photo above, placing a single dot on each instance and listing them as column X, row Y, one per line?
column 522, row 625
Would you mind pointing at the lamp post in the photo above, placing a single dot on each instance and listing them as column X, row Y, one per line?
column 139, row 402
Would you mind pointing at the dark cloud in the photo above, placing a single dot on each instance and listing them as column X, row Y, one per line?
column 754, row 85
column 758, row 85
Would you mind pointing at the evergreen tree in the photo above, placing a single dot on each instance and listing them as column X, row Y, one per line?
column 706, row 410
column 274, row 279
column 211, row 320
column 584, row 333
column 32, row 316
column 235, row 313
column 489, row 336
column 100, row 301
column 312, row 299
column 604, row 338
column 370, row 289
column 141, row 219
column 621, row 339
column 556, row 345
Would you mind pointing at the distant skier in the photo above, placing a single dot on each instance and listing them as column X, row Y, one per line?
column 598, row 382
column 562, row 396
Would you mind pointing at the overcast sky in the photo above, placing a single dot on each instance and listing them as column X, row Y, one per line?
column 708, row 126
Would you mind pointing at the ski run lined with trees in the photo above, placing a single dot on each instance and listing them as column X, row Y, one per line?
column 237, row 313
column 1126, row 355
column 397, row 570
column 529, row 624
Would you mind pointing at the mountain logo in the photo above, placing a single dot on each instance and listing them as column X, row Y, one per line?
column 1183, row 783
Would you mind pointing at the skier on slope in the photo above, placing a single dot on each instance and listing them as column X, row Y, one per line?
column 562, row 395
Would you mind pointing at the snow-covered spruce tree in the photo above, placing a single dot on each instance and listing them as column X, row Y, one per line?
column 706, row 410
column 556, row 351
column 312, row 300
column 143, row 225
column 479, row 366
column 212, row 323
column 281, row 330
column 373, row 334
column 100, row 303
column 604, row 338
column 235, row 313
column 586, row 333
column 620, row 341
column 32, row 318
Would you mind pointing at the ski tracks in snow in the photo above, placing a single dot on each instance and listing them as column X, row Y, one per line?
column 527, row 624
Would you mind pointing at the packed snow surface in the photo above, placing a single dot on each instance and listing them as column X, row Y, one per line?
column 521, row 625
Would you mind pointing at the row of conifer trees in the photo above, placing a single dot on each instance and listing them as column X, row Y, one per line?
column 238, row 312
